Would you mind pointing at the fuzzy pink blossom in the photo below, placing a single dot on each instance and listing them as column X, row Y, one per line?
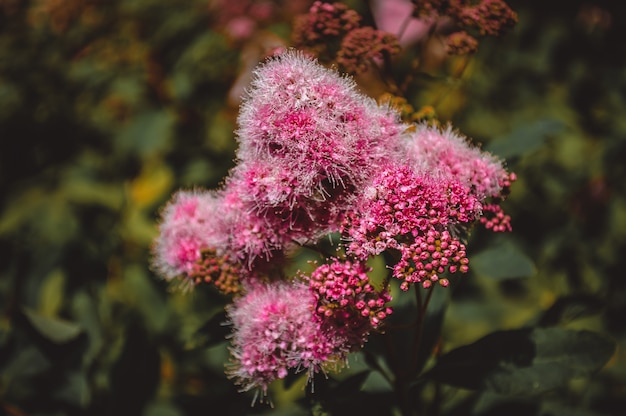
column 189, row 225
column 251, row 239
column 307, row 141
column 213, row 237
column 413, row 214
column 447, row 152
column 275, row 331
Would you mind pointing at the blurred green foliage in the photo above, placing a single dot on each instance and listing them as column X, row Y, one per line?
column 107, row 107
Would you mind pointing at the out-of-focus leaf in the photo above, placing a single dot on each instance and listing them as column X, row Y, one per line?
column 488, row 403
column 504, row 261
column 45, row 214
column 86, row 313
column 375, row 382
column 128, row 89
column 208, row 58
column 26, row 362
column 10, row 99
column 153, row 182
column 84, row 191
column 550, row 408
column 525, row 138
column 569, row 308
column 148, row 133
column 220, row 133
column 181, row 85
column 74, row 390
column 59, row 331
column 161, row 409
column 52, row 293
column 524, row 362
column 212, row 332
column 352, row 384
column 146, row 298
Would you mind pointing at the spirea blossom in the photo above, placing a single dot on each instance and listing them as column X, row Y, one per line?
column 446, row 151
column 413, row 213
column 346, row 302
column 337, row 35
column 321, row 29
column 252, row 238
column 307, row 141
column 316, row 156
column 275, row 331
column 212, row 237
column 189, row 226
column 449, row 153
column 363, row 45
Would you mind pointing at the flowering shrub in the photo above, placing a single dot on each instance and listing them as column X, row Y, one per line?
column 316, row 157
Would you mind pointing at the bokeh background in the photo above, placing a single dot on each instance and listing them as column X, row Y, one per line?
column 108, row 107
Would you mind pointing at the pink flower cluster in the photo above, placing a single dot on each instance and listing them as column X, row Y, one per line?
column 190, row 225
column 412, row 214
column 277, row 332
column 316, row 156
column 300, row 162
column 334, row 33
column 283, row 326
column 461, row 22
column 447, row 152
column 346, row 303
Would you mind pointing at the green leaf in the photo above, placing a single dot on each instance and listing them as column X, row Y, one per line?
column 59, row 331
column 161, row 409
column 504, row 261
column 74, row 390
column 52, row 293
column 525, row 138
column 375, row 383
column 26, row 362
column 147, row 133
column 524, row 362
column 570, row 308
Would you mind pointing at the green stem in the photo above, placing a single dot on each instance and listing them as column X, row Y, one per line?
column 422, row 306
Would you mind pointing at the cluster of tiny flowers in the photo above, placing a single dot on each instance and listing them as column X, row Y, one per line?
column 483, row 18
column 276, row 331
column 189, row 226
column 335, row 34
column 316, row 156
column 412, row 214
column 241, row 19
column 432, row 149
column 362, row 46
column 221, row 271
column 428, row 257
column 347, row 304
column 448, row 153
column 308, row 140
